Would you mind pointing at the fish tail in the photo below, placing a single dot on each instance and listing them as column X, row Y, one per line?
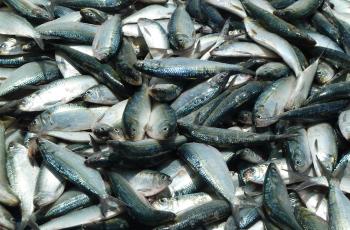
column 40, row 42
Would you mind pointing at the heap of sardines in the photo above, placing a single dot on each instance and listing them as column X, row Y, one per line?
column 170, row 114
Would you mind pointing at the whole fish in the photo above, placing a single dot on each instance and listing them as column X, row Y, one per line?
column 108, row 38
column 210, row 165
column 69, row 117
column 186, row 68
column 277, row 25
column 98, row 4
column 136, row 114
column 181, row 28
column 71, row 166
column 22, row 173
column 275, row 200
column 51, row 95
column 224, row 137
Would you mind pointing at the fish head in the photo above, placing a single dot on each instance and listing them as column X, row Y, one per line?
column 183, row 41
column 134, row 131
column 42, row 13
column 161, row 131
column 7, row 46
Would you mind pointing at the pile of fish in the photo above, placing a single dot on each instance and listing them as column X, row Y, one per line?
column 162, row 114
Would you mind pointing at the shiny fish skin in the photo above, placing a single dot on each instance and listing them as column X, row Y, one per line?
column 51, row 95
column 207, row 213
column 108, row 38
column 49, row 187
column 185, row 68
column 299, row 9
column 32, row 73
column 181, row 203
column 194, row 98
column 108, row 5
column 275, row 43
column 146, row 182
column 139, row 207
column 13, row 24
column 276, row 25
column 69, row 117
column 22, row 173
column 71, row 166
column 275, row 200
column 273, row 101
column 211, row 167
column 7, row 195
column 100, row 94
column 136, row 114
column 181, row 28
column 93, row 16
column 72, row 31
column 162, row 122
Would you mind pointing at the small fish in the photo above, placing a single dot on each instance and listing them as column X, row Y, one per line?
column 181, row 28
column 186, row 68
column 162, row 122
column 108, row 38
column 51, row 95
column 136, row 115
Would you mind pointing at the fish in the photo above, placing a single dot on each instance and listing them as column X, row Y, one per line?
column 60, row 160
column 275, row 200
column 49, row 187
column 181, row 28
column 209, row 164
column 185, row 68
column 275, row 43
column 22, row 174
column 136, row 114
column 108, row 38
column 138, row 205
column 44, row 99
column 162, row 122
column 32, row 73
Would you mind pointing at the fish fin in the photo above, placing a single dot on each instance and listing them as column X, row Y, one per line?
column 110, row 203
column 40, row 42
